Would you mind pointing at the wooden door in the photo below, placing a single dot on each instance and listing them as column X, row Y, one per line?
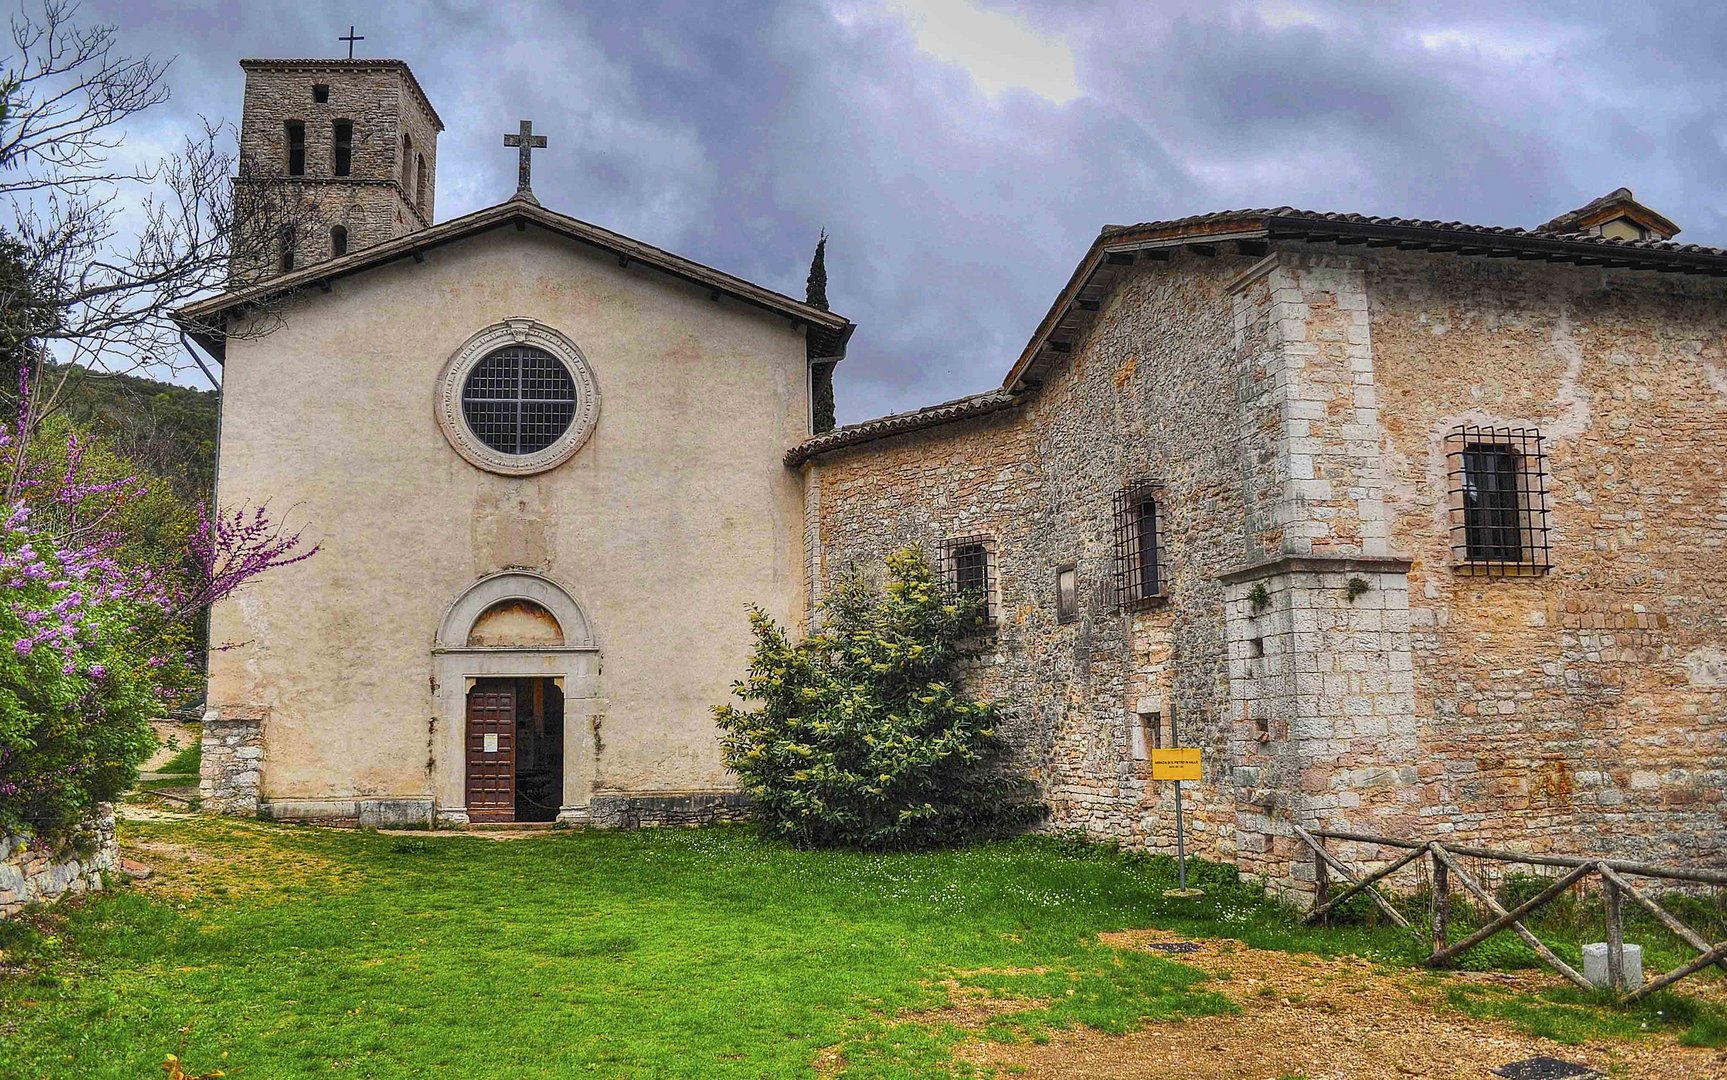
column 492, row 751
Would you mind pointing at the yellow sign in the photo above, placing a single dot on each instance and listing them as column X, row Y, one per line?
column 1175, row 763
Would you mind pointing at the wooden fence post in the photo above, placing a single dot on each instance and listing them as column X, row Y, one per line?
column 1321, row 882
column 1441, row 903
column 1615, row 935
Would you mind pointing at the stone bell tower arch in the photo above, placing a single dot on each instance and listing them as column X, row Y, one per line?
column 349, row 149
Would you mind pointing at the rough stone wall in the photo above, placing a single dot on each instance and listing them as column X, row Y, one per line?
column 380, row 197
column 1580, row 710
column 31, row 873
column 1318, row 641
column 1151, row 394
column 231, row 764
column 658, row 811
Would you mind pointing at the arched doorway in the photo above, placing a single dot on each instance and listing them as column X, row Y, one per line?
column 517, row 691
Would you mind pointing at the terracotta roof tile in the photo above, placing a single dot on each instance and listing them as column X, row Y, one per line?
column 899, row 423
column 1290, row 213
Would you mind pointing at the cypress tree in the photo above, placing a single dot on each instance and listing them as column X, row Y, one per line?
column 816, row 288
column 816, row 295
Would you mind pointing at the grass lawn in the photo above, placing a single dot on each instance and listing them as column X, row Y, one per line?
column 275, row 951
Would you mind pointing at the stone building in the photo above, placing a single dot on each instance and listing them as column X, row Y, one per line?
column 544, row 465
column 1414, row 527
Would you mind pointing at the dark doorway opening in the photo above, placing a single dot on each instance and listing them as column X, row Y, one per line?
column 515, row 745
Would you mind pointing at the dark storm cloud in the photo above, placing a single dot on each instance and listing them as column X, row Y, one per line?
column 732, row 132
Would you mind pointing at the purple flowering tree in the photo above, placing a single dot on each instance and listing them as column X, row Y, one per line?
column 95, row 637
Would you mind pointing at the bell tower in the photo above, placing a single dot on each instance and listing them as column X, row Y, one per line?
column 347, row 149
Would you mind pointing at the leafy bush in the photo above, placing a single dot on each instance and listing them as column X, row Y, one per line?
column 863, row 736
column 95, row 625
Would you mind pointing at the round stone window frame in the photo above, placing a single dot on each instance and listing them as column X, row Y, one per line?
column 516, row 331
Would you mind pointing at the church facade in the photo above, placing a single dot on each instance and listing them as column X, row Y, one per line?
column 1413, row 527
column 543, row 464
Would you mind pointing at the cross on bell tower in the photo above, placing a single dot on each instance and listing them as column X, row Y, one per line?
column 350, row 39
column 528, row 143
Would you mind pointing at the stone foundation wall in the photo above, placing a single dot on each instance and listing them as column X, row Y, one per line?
column 365, row 813
column 231, row 773
column 32, row 873
column 649, row 811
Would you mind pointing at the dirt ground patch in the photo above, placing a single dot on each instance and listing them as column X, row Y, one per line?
column 256, row 871
column 1326, row 1019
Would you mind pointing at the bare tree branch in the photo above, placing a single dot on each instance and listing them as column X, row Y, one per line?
column 99, row 253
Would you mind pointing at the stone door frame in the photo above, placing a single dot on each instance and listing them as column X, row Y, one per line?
column 573, row 666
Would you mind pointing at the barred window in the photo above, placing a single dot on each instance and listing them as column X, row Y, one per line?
column 519, row 400
column 1141, row 572
column 1498, row 500
column 969, row 566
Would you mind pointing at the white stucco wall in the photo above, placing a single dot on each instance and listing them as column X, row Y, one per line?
column 675, row 515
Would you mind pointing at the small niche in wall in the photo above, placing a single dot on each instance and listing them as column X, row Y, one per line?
column 1262, row 728
column 1066, row 594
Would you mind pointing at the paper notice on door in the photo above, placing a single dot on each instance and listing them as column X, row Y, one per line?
column 491, row 746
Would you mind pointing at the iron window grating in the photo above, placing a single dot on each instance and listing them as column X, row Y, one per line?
column 519, row 400
column 969, row 566
column 1142, row 568
column 1498, row 500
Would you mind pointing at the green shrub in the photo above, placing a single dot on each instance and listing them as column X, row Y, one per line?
column 863, row 736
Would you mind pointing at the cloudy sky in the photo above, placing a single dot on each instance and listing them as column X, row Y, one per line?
column 962, row 153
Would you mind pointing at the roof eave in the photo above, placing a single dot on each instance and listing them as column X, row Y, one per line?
column 1132, row 241
column 887, row 427
column 1528, row 246
column 1057, row 334
column 210, row 312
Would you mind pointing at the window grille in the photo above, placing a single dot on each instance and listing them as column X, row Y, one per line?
column 969, row 565
column 342, row 156
column 1142, row 574
column 1498, row 500
column 519, row 400
column 296, row 133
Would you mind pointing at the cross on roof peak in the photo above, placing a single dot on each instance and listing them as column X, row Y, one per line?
column 528, row 142
column 350, row 39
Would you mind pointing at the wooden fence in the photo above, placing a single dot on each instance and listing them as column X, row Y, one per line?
column 1447, row 871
